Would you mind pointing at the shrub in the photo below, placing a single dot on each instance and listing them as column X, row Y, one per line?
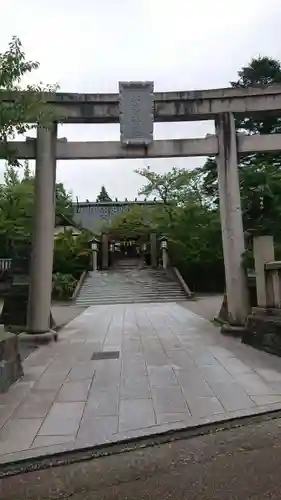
column 72, row 255
column 63, row 286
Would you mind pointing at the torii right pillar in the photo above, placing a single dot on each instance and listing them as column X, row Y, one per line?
column 231, row 220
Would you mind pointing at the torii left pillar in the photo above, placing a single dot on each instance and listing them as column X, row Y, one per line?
column 40, row 292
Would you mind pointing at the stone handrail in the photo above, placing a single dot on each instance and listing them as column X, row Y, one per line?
column 79, row 284
column 273, row 283
column 273, row 266
column 182, row 282
column 268, row 273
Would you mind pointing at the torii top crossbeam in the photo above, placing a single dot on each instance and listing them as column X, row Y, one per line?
column 168, row 106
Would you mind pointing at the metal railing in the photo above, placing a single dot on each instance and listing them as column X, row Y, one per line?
column 5, row 264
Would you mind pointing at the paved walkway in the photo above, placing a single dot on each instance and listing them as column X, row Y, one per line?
column 63, row 313
column 207, row 306
column 174, row 369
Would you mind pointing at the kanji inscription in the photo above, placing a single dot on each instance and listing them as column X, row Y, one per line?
column 136, row 113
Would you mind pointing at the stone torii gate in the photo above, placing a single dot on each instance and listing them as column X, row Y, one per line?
column 136, row 107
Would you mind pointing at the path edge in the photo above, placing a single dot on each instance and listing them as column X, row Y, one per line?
column 71, row 456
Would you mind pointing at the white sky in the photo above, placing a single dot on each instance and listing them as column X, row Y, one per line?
column 90, row 45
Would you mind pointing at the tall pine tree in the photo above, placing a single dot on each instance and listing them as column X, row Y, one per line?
column 103, row 196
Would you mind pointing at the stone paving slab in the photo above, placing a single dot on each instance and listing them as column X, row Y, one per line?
column 174, row 370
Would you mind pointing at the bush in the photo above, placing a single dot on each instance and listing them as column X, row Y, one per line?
column 72, row 255
column 63, row 286
column 195, row 248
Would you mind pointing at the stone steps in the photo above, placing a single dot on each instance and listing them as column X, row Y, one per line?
column 118, row 300
column 128, row 284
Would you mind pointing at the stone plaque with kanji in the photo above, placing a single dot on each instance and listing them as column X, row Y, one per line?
column 136, row 113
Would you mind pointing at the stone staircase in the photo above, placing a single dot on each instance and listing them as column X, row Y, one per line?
column 127, row 284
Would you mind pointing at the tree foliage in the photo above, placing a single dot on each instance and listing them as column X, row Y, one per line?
column 23, row 107
column 17, row 205
column 191, row 226
column 20, row 111
column 169, row 187
column 63, row 286
column 103, row 196
column 172, row 188
column 72, row 254
column 260, row 71
column 260, row 173
column 137, row 222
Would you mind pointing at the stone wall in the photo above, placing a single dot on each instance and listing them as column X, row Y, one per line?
column 95, row 215
column 10, row 362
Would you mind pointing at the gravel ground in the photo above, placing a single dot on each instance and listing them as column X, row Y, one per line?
column 238, row 464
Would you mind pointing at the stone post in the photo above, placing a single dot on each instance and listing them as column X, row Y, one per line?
column 267, row 283
column 95, row 260
column 104, row 251
column 165, row 258
column 153, row 249
column 164, row 252
column 231, row 220
column 40, row 292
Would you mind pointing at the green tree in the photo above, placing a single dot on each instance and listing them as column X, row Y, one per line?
column 20, row 111
column 260, row 71
column 136, row 223
column 191, row 226
column 103, row 196
column 172, row 188
column 27, row 173
column 72, row 254
column 195, row 247
column 260, row 173
column 63, row 201
column 17, row 205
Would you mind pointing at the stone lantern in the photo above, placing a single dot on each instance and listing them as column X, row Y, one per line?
column 164, row 250
column 94, row 242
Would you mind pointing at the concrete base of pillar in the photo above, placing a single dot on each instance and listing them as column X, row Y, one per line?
column 223, row 316
column 223, row 313
column 51, row 328
column 232, row 330
column 39, row 338
column 223, row 319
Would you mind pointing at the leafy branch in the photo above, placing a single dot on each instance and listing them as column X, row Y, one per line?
column 21, row 107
